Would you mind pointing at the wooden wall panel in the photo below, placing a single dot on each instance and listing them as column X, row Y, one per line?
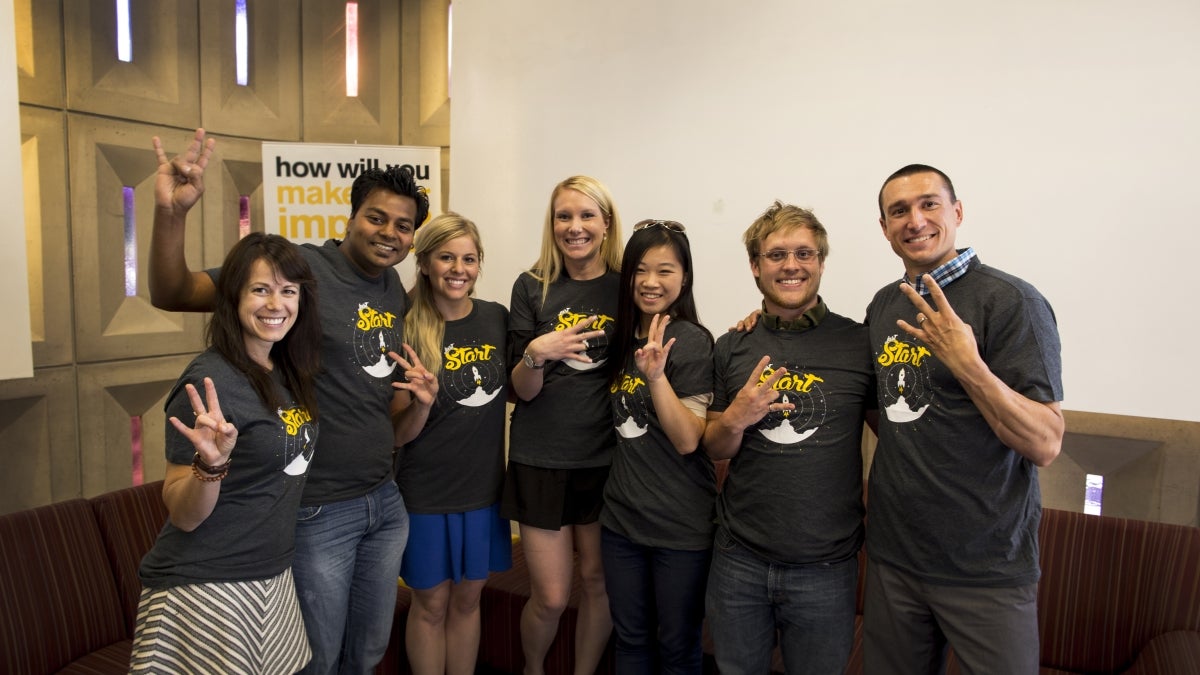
column 268, row 105
column 105, row 156
column 40, row 450
column 160, row 83
column 47, row 234
column 110, row 395
column 40, row 74
column 330, row 116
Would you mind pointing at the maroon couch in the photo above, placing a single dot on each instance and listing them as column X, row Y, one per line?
column 1117, row 595
column 69, row 586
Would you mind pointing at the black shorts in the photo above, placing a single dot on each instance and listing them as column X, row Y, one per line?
column 551, row 498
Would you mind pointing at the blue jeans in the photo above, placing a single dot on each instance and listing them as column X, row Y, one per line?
column 810, row 606
column 346, row 567
column 656, row 596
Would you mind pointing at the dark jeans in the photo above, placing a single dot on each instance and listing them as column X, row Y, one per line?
column 656, row 596
column 751, row 599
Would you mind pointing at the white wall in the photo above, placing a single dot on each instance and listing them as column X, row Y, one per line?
column 16, row 350
column 1069, row 127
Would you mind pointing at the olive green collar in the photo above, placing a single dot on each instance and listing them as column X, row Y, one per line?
column 805, row 321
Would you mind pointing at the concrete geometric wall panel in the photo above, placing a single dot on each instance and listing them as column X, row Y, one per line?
column 425, row 88
column 234, row 174
column 47, row 233
column 40, row 451
column 330, row 115
column 118, row 401
column 268, row 105
column 160, row 82
column 40, row 77
column 113, row 167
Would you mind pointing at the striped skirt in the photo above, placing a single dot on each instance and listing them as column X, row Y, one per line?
column 229, row 627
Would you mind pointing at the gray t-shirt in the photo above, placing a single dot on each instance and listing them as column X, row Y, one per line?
column 568, row 425
column 362, row 319
column 949, row 502
column 250, row 533
column 654, row 495
column 794, row 489
column 456, row 464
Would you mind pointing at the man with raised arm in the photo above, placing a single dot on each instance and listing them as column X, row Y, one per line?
column 969, row 383
column 352, row 524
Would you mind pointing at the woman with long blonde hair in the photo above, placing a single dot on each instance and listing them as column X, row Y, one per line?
column 562, row 315
column 450, row 475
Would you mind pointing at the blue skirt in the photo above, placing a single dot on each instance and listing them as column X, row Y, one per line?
column 456, row 546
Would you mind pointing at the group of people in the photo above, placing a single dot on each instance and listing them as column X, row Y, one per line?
column 283, row 547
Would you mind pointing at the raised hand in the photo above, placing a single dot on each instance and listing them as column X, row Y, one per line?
column 180, row 181
column 421, row 384
column 651, row 359
column 948, row 337
column 569, row 344
column 212, row 436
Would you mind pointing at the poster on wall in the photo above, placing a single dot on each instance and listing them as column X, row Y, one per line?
column 306, row 186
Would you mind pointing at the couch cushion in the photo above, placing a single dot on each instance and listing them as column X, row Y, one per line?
column 1174, row 652
column 1110, row 585
column 111, row 660
column 58, row 601
column 129, row 521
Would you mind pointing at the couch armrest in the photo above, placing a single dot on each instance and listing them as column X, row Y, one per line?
column 1174, row 652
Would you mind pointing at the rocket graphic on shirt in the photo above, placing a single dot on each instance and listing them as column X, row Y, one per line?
column 597, row 348
column 375, row 334
column 299, row 439
column 472, row 375
column 631, row 409
column 803, row 390
column 904, row 391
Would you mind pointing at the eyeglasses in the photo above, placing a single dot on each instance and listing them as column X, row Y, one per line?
column 668, row 224
column 779, row 255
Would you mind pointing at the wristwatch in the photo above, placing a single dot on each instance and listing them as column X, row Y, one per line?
column 527, row 359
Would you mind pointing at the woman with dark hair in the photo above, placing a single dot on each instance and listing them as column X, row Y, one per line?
column 657, row 523
column 561, row 440
column 450, row 474
column 217, row 590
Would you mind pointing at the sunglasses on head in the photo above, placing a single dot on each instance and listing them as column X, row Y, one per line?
column 667, row 224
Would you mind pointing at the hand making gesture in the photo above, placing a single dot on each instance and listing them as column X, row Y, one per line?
column 569, row 344
column 212, row 437
column 180, row 181
column 421, row 384
column 950, row 339
column 757, row 398
column 651, row 359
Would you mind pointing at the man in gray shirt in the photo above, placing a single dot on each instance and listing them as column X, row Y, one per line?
column 789, row 401
column 969, row 380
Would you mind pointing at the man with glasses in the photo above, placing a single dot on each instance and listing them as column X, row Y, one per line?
column 969, row 380
column 789, row 402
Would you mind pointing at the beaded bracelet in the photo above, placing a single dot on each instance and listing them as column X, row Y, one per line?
column 210, row 473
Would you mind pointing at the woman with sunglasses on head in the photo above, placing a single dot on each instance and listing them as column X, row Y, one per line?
column 218, row 593
column 451, row 473
column 660, row 498
column 561, row 439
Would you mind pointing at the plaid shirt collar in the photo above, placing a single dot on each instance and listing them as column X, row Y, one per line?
column 945, row 273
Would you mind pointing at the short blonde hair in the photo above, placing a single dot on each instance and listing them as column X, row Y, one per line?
column 780, row 216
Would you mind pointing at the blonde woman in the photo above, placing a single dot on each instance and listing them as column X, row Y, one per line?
column 451, row 474
column 562, row 314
